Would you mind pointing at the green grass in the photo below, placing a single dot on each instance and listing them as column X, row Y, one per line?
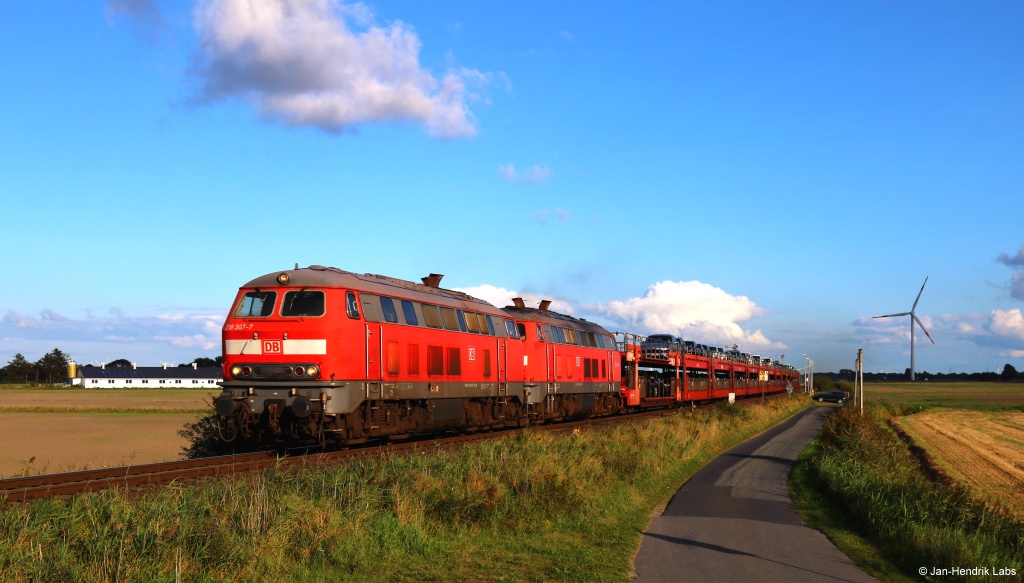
column 979, row 396
column 529, row 507
column 859, row 484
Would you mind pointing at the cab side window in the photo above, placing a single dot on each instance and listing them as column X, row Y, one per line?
column 351, row 306
column 510, row 326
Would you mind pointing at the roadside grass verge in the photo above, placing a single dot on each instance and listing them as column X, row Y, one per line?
column 529, row 507
column 861, row 485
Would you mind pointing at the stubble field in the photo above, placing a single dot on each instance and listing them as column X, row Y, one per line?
column 57, row 430
column 983, row 449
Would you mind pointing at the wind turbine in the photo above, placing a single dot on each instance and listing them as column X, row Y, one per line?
column 913, row 318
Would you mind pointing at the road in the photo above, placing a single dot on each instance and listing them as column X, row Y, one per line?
column 734, row 519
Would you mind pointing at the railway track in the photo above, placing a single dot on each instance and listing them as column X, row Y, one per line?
column 28, row 488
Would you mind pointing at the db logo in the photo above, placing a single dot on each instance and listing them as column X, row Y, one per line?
column 271, row 347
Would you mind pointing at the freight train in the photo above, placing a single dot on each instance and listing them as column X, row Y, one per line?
column 322, row 355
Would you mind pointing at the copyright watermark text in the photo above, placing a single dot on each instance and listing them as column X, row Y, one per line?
column 967, row 571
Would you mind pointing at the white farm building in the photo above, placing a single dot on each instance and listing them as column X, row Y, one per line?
column 179, row 377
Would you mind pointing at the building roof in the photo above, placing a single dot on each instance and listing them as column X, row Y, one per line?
column 149, row 372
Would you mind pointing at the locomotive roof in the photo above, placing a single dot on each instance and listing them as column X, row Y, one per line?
column 555, row 318
column 320, row 276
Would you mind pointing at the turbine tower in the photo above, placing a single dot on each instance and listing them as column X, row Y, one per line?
column 913, row 318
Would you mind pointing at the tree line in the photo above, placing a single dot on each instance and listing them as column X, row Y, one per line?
column 1009, row 374
column 52, row 368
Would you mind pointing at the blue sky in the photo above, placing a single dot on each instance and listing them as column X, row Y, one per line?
column 764, row 174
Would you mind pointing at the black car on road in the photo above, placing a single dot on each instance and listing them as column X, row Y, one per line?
column 831, row 397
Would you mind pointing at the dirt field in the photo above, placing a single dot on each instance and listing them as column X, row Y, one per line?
column 60, row 442
column 983, row 449
column 180, row 400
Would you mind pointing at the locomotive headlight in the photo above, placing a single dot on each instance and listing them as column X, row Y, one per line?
column 236, row 370
column 312, row 371
column 283, row 279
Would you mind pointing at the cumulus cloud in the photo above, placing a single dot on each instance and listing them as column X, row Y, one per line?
column 535, row 173
column 1017, row 280
column 501, row 297
column 692, row 310
column 1008, row 323
column 897, row 329
column 999, row 329
column 326, row 64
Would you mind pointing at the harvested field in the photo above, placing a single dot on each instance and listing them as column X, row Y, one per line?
column 43, row 443
column 59, row 400
column 983, row 449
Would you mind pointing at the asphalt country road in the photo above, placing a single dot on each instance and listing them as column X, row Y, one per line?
column 734, row 519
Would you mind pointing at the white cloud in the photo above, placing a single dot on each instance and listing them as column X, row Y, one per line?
column 535, row 174
column 999, row 329
column 690, row 309
column 323, row 63
column 501, row 297
column 1008, row 323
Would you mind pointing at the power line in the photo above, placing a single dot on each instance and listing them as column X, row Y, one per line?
column 882, row 365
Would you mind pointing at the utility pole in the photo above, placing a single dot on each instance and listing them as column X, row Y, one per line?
column 860, row 377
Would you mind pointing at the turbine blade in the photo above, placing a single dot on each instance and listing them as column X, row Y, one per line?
column 892, row 315
column 923, row 328
column 919, row 295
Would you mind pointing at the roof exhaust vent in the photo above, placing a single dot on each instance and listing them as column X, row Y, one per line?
column 432, row 280
column 544, row 305
column 518, row 302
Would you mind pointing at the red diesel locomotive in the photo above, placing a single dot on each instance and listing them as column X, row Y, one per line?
column 324, row 355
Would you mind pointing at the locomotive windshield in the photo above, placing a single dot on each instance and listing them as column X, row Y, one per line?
column 256, row 304
column 303, row 303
